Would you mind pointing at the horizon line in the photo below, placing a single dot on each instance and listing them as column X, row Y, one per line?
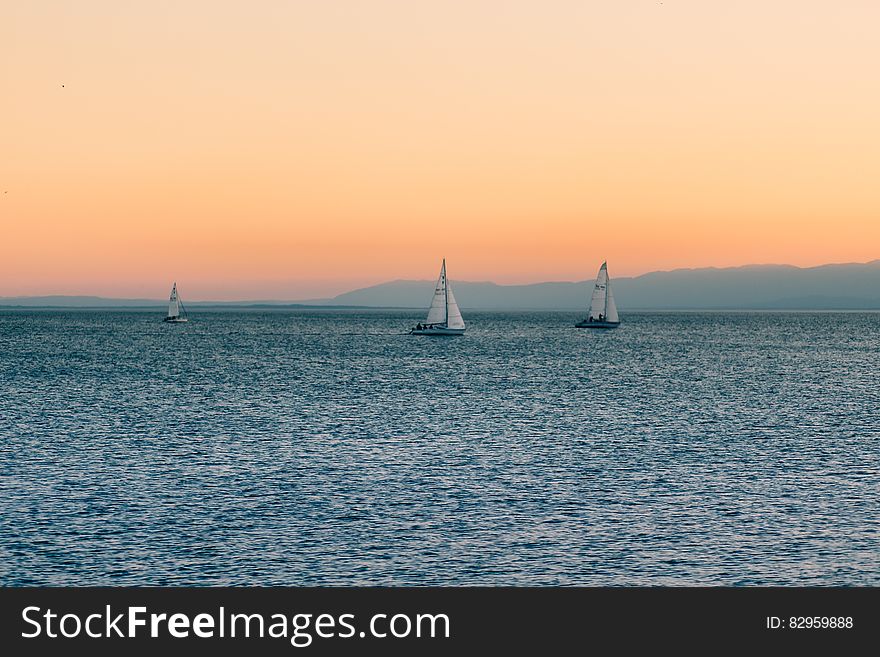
column 313, row 300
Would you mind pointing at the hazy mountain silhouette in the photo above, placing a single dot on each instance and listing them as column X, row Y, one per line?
column 854, row 286
column 828, row 287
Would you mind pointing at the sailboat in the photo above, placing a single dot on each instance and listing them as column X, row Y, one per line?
column 603, row 310
column 175, row 307
column 444, row 317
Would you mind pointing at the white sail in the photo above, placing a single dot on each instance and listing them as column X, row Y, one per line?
column 174, row 303
column 597, row 303
column 454, row 319
column 610, row 306
column 437, row 313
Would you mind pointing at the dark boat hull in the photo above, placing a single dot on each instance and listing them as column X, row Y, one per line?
column 437, row 331
column 597, row 325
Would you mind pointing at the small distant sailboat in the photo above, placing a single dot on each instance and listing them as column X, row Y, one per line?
column 603, row 310
column 175, row 308
column 444, row 317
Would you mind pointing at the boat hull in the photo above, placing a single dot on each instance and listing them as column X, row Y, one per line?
column 437, row 330
column 597, row 325
column 175, row 320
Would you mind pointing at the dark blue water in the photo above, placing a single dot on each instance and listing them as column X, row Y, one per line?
column 326, row 448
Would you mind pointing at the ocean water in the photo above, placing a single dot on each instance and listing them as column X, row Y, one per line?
column 327, row 448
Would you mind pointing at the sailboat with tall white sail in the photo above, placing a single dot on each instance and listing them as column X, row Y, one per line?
column 603, row 310
column 444, row 317
column 176, row 311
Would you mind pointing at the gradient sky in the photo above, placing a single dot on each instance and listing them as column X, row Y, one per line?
column 299, row 149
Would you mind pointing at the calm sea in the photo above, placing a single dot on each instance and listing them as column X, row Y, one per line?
column 319, row 448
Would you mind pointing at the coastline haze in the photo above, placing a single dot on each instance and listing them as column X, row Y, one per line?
column 851, row 286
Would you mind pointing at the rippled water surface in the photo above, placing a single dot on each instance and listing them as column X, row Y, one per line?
column 327, row 448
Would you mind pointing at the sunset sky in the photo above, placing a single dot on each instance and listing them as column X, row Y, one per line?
column 299, row 149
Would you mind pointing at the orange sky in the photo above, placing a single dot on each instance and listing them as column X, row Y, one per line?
column 299, row 149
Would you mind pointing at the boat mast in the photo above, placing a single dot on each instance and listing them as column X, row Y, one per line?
column 607, row 283
column 446, row 291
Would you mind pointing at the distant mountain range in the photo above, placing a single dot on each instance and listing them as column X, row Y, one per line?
column 854, row 286
column 828, row 287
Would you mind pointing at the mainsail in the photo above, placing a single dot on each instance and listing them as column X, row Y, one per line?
column 602, row 306
column 600, row 292
column 173, row 304
column 437, row 312
column 444, row 309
